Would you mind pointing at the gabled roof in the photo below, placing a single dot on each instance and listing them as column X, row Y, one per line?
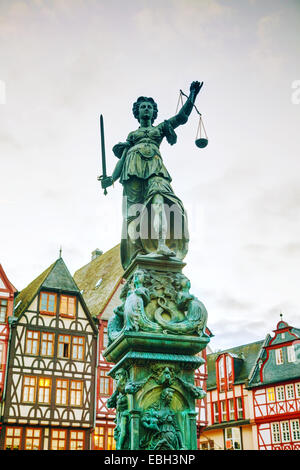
column 247, row 353
column 6, row 281
column 55, row 277
column 99, row 279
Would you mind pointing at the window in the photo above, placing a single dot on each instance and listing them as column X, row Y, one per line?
column 111, row 443
column 285, row 431
column 229, row 373
column 280, row 393
column 275, row 433
column 33, row 439
column 99, row 437
column 291, row 353
column 13, row 438
column 223, row 410
column 279, row 356
column 295, row 430
column 239, row 406
column 1, row 355
column 232, row 439
column 76, row 440
column 105, row 337
column 3, row 310
column 104, row 438
column 44, row 390
column 47, row 344
column 48, row 303
column 103, row 383
column 270, row 395
column 231, row 410
column 78, row 348
column 58, row 439
column 29, row 389
column 216, row 412
column 76, row 393
column 67, row 306
column 289, row 390
column 64, row 346
column 61, row 397
column 32, row 342
column 297, row 389
column 221, row 374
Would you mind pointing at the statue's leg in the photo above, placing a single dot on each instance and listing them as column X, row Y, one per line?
column 160, row 225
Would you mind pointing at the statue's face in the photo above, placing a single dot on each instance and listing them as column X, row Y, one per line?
column 146, row 110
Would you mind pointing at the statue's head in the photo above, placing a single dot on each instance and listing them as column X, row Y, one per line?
column 145, row 107
column 167, row 395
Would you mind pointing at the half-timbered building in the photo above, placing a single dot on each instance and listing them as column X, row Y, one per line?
column 229, row 401
column 101, row 282
column 275, row 385
column 50, row 389
column 7, row 293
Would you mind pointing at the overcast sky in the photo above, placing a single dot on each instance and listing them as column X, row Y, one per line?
column 63, row 62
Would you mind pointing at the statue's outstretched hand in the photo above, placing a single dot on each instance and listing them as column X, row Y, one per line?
column 195, row 88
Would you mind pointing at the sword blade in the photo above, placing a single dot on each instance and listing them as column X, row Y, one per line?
column 102, row 147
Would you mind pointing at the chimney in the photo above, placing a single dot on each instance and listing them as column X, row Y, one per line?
column 96, row 253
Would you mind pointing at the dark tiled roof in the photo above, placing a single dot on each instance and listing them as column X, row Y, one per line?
column 248, row 353
column 98, row 279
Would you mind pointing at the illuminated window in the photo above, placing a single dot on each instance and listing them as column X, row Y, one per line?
column 280, row 393
column 2, row 359
column 99, row 436
column 44, row 390
column 67, row 305
column 76, row 440
column 13, row 438
column 285, row 431
column 33, row 439
column 61, row 397
column 76, row 393
column 32, row 342
column 275, row 430
column 295, row 427
column 103, row 383
column 29, row 389
column 279, row 356
column 78, row 348
column 270, row 394
column 111, row 443
column 58, row 439
column 3, row 310
column 232, row 439
column 291, row 353
column 289, row 390
column 47, row 303
column 64, row 346
column 47, row 344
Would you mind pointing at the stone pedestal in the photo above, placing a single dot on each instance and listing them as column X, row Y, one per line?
column 155, row 336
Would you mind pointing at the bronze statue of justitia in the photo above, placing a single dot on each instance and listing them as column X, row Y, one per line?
column 154, row 218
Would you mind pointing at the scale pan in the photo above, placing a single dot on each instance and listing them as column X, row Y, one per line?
column 201, row 143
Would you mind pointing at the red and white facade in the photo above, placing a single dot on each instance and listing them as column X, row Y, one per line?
column 7, row 292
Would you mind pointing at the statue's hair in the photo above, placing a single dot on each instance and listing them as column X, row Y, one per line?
column 136, row 105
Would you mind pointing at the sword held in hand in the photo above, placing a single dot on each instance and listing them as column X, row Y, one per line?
column 105, row 180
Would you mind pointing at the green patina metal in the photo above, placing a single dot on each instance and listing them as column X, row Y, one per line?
column 159, row 328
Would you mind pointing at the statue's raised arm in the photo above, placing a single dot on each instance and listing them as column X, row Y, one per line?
column 182, row 116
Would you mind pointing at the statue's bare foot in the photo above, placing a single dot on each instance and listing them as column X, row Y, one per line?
column 164, row 250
